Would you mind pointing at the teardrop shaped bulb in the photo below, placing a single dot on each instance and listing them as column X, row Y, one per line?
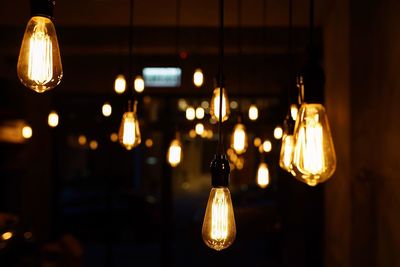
column 214, row 108
column 174, row 155
column 219, row 228
column 314, row 158
column 39, row 63
column 263, row 175
column 286, row 154
column 129, row 131
column 239, row 139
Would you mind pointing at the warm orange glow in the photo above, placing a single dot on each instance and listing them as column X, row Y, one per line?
column 129, row 131
column 198, row 77
column 27, row 132
column 190, row 113
column 39, row 63
column 139, row 84
column 263, row 175
column 219, row 228
column 106, row 109
column 278, row 132
column 215, row 100
column 253, row 112
column 239, row 139
column 174, row 155
column 286, row 155
column 93, row 145
column 52, row 119
column 120, row 84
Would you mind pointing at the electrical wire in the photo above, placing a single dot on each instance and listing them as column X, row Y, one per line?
column 221, row 76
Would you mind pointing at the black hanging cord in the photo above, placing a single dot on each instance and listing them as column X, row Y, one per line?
column 221, row 75
column 311, row 14
column 239, row 43
column 130, row 54
column 290, row 51
column 177, row 29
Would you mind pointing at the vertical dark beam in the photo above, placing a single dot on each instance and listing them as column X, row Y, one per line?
column 166, row 190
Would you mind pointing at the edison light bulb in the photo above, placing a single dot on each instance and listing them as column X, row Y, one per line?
column 39, row 63
column 214, row 109
column 190, row 113
column 198, row 77
column 267, row 146
column 293, row 111
column 52, row 119
column 314, row 159
column 174, row 155
column 278, row 132
column 139, row 84
column 129, row 131
column 106, row 109
column 239, row 139
column 263, row 175
column 253, row 112
column 26, row 132
column 120, row 84
column 199, row 113
column 286, row 154
column 219, row 229
column 199, row 128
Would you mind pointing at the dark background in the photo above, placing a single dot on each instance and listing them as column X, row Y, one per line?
column 111, row 207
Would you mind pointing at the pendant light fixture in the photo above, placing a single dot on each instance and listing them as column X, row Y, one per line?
column 314, row 158
column 174, row 155
column 53, row 119
column 39, row 63
column 120, row 84
column 263, row 175
column 198, row 77
column 129, row 130
column 239, row 140
column 219, row 228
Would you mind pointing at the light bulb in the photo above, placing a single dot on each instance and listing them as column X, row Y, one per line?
column 7, row 235
column 26, row 132
column 263, row 175
column 286, row 154
column 253, row 112
column 82, row 140
column 278, row 132
column 214, row 109
column 219, row 229
column 149, row 142
column 199, row 128
column 93, row 145
column 267, row 146
column 139, row 84
column 198, row 77
column 39, row 63
column 174, row 155
column 257, row 141
column 52, row 119
column 120, row 84
column 190, row 113
column 293, row 111
column 314, row 159
column 106, row 109
column 199, row 113
column 129, row 131
column 114, row 137
column 239, row 139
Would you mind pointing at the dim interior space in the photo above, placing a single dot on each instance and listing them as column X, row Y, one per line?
column 199, row 133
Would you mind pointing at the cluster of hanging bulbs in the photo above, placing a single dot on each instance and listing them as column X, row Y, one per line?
column 308, row 152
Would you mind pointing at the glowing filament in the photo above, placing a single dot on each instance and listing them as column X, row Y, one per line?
column 286, row 156
column 239, row 139
column 40, row 67
column 215, row 110
column 219, row 224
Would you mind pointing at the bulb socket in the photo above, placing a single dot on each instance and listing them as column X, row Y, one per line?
column 218, row 81
column 220, row 171
column 43, row 8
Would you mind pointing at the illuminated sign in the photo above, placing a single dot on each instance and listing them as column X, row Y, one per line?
column 162, row 77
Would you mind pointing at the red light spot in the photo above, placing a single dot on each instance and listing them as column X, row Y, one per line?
column 183, row 54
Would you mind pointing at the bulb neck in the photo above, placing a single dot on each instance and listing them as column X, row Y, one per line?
column 220, row 171
column 43, row 8
column 219, row 81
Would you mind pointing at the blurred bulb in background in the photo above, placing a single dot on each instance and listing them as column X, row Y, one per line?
column 199, row 113
column 198, row 77
column 199, row 128
column 106, row 109
column 293, row 111
column 114, row 137
column 314, row 159
column 82, row 140
column 286, row 154
column 253, row 112
column 263, row 175
column 239, row 139
column 174, row 155
column 39, row 63
column 267, row 146
column 219, row 228
column 93, row 145
column 139, row 84
column 26, row 132
column 257, row 141
column 52, row 119
column 129, row 131
column 215, row 100
column 120, row 84
column 190, row 113
column 278, row 132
